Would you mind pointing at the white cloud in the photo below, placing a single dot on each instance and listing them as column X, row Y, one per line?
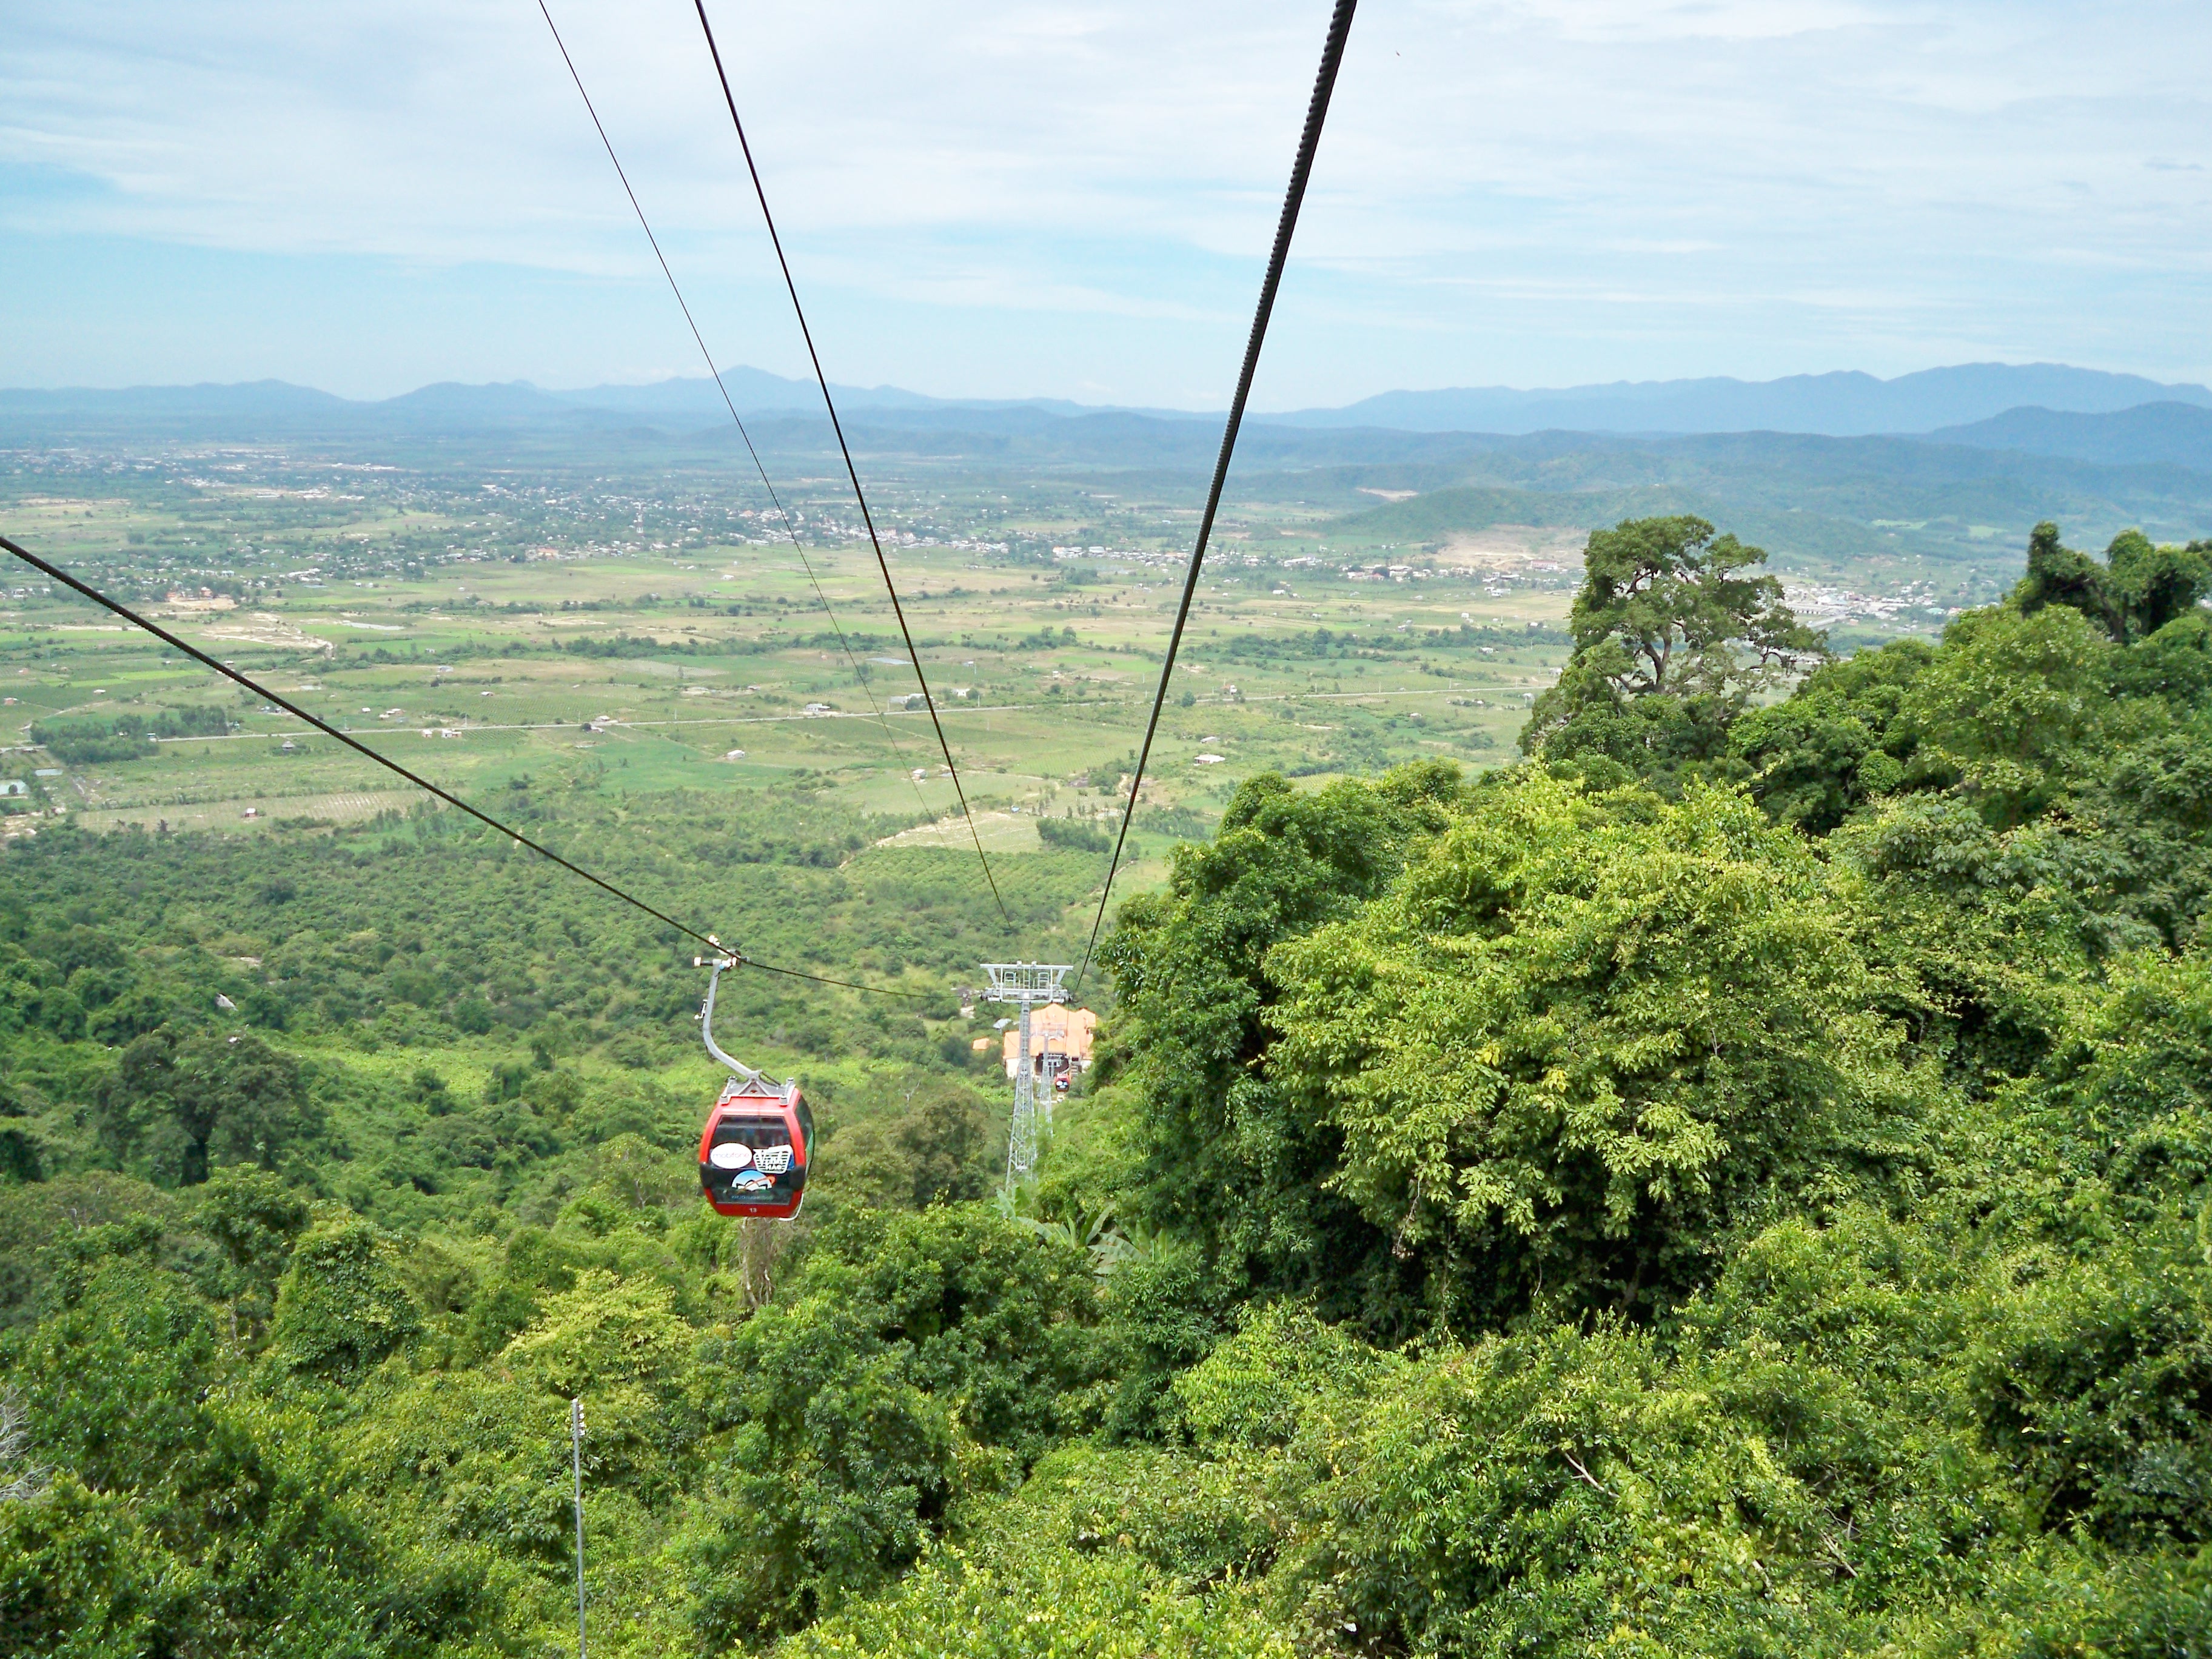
column 1124, row 157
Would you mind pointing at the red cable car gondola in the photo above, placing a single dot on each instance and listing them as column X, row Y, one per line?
column 758, row 1139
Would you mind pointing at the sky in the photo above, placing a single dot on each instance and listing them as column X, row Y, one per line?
column 1075, row 199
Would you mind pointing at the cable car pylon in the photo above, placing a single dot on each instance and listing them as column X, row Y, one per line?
column 1026, row 984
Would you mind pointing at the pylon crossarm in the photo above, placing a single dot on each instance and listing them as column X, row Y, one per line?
column 1027, row 981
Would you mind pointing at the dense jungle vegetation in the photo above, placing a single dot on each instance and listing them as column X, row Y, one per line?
column 1737, row 1181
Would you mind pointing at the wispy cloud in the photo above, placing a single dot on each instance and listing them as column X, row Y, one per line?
column 1029, row 196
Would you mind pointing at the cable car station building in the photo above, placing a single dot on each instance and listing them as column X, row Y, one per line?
column 1059, row 1043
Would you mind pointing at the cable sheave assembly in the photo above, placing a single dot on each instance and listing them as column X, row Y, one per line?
column 1332, row 56
column 928, row 697
column 422, row 783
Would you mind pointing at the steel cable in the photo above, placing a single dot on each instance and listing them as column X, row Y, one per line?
column 1332, row 56
column 859, row 674
column 422, row 783
column 853, row 472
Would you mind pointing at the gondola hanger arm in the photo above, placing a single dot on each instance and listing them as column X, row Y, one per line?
column 715, row 965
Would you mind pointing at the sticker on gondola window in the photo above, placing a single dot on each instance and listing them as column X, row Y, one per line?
column 749, row 1181
column 774, row 1159
column 730, row 1154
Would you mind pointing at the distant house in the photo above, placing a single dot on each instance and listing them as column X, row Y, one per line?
column 14, row 787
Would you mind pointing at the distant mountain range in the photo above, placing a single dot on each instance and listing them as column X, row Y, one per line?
column 2044, row 409
column 2150, row 434
column 1838, row 405
column 276, row 408
column 1953, row 493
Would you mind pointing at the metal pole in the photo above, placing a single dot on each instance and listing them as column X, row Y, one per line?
column 576, row 1456
column 1025, row 1098
column 1045, row 1092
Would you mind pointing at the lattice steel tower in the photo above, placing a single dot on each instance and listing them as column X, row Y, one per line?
column 1027, row 984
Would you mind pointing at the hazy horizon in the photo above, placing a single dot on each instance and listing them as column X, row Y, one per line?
column 733, row 370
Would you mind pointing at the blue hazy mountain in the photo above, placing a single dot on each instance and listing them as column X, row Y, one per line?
column 1842, row 404
column 277, row 408
column 253, row 398
column 2149, row 434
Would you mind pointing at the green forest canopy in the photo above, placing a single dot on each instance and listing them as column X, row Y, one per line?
column 1737, row 1181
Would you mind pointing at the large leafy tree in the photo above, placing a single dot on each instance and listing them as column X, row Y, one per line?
column 176, row 1105
column 1837, row 742
column 1567, row 1059
column 341, row 1306
column 914, row 1354
column 2138, row 589
column 2018, row 704
column 254, row 1219
column 2016, row 707
column 1215, row 1155
column 1676, row 631
column 936, row 1150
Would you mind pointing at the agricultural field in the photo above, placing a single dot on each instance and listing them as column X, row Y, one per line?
column 614, row 642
